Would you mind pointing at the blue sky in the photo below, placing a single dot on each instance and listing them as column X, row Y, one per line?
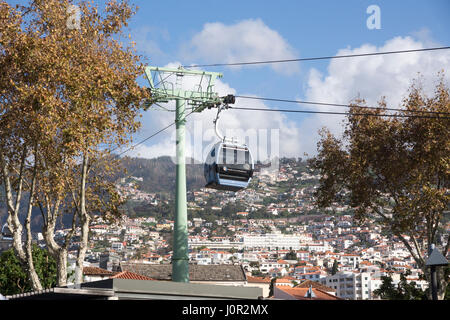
column 187, row 32
column 312, row 28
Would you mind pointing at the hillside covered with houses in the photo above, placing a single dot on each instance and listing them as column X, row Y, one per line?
column 272, row 230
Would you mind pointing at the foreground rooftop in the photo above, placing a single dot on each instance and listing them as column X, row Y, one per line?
column 127, row 289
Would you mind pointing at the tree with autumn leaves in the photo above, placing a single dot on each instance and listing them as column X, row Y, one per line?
column 394, row 170
column 68, row 96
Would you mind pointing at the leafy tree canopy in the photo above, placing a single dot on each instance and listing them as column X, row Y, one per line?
column 393, row 168
column 13, row 277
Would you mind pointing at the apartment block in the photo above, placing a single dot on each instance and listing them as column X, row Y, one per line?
column 350, row 285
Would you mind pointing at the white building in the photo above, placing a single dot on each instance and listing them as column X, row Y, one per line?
column 194, row 243
column 272, row 241
column 351, row 260
column 302, row 255
column 349, row 285
column 268, row 265
column 250, row 256
column 318, row 247
column 308, row 272
column 360, row 286
column 313, row 275
column 117, row 246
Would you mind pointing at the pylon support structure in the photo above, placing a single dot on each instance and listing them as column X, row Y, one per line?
column 201, row 96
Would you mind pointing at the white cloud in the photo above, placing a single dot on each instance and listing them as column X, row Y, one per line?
column 370, row 78
column 147, row 39
column 245, row 41
column 424, row 35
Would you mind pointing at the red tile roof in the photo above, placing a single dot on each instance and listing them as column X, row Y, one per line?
column 287, row 278
column 316, row 285
column 95, row 271
column 251, row 279
column 284, row 281
column 299, row 293
column 282, row 262
column 130, row 275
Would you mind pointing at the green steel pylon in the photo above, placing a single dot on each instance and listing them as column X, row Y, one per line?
column 200, row 97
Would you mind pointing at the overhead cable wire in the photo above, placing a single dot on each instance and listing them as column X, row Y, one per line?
column 292, row 111
column 340, row 105
column 343, row 113
column 316, row 58
column 152, row 135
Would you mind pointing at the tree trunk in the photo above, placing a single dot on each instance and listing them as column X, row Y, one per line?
column 58, row 252
column 61, row 262
column 13, row 219
column 441, row 283
column 25, row 256
column 36, row 283
column 84, row 223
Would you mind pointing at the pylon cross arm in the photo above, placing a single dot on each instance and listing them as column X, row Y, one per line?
column 166, row 89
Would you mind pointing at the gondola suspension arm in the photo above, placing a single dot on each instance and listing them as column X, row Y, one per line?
column 229, row 99
column 216, row 122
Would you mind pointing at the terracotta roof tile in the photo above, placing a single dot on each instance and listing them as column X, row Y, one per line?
column 283, row 281
column 287, row 278
column 130, row 275
column 251, row 279
column 95, row 271
column 316, row 285
column 299, row 293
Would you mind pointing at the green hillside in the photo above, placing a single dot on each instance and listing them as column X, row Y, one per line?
column 159, row 173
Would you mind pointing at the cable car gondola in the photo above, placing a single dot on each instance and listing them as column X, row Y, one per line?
column 229, row 165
